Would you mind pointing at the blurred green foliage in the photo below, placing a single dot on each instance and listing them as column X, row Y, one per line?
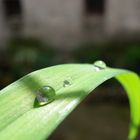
column 88, row 52
column 116, row 54
column 24, row 55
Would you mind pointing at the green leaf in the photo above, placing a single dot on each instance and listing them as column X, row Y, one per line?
column 21, row 120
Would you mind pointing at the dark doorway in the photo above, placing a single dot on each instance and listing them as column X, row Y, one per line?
column 94, row 6
column 12, row 8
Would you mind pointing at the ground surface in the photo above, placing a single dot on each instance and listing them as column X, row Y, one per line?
column 107, row 121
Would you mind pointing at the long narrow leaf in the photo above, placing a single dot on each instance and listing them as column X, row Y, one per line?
column 21, row 120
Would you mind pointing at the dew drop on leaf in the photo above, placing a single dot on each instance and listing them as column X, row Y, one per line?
column 45, row 95
column 99, row 65
column 96, row 68
column 67, row 82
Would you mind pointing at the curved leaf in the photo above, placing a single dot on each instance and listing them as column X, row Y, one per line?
column 19, row 119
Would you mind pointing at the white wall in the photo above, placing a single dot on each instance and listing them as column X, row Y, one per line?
column 56, row 20
column 133, row 15
column 122, row 16
column 62, row 22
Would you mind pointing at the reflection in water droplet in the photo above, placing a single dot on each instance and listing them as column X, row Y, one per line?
column 45, row 95
column 96, row 68
column 42, row 100
column 67, row 82
column 100, row 65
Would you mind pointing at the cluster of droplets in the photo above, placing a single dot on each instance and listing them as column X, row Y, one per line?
column 46, row 94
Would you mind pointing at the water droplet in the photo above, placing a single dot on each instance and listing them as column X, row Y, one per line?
column 42, row 100
column 67, row 82
column 45, row 95
column 100, row 65
column 96, row 68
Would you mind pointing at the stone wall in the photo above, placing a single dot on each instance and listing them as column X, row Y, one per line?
column 64, row 23
column 122, row 16
column 58, row 21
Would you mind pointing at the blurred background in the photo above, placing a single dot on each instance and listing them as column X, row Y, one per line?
column 39, row 33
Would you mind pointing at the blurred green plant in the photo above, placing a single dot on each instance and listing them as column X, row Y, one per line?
column 24, row 55
column 87, row 52
column 133, row 57
column 30, row 52
column 19, row 118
